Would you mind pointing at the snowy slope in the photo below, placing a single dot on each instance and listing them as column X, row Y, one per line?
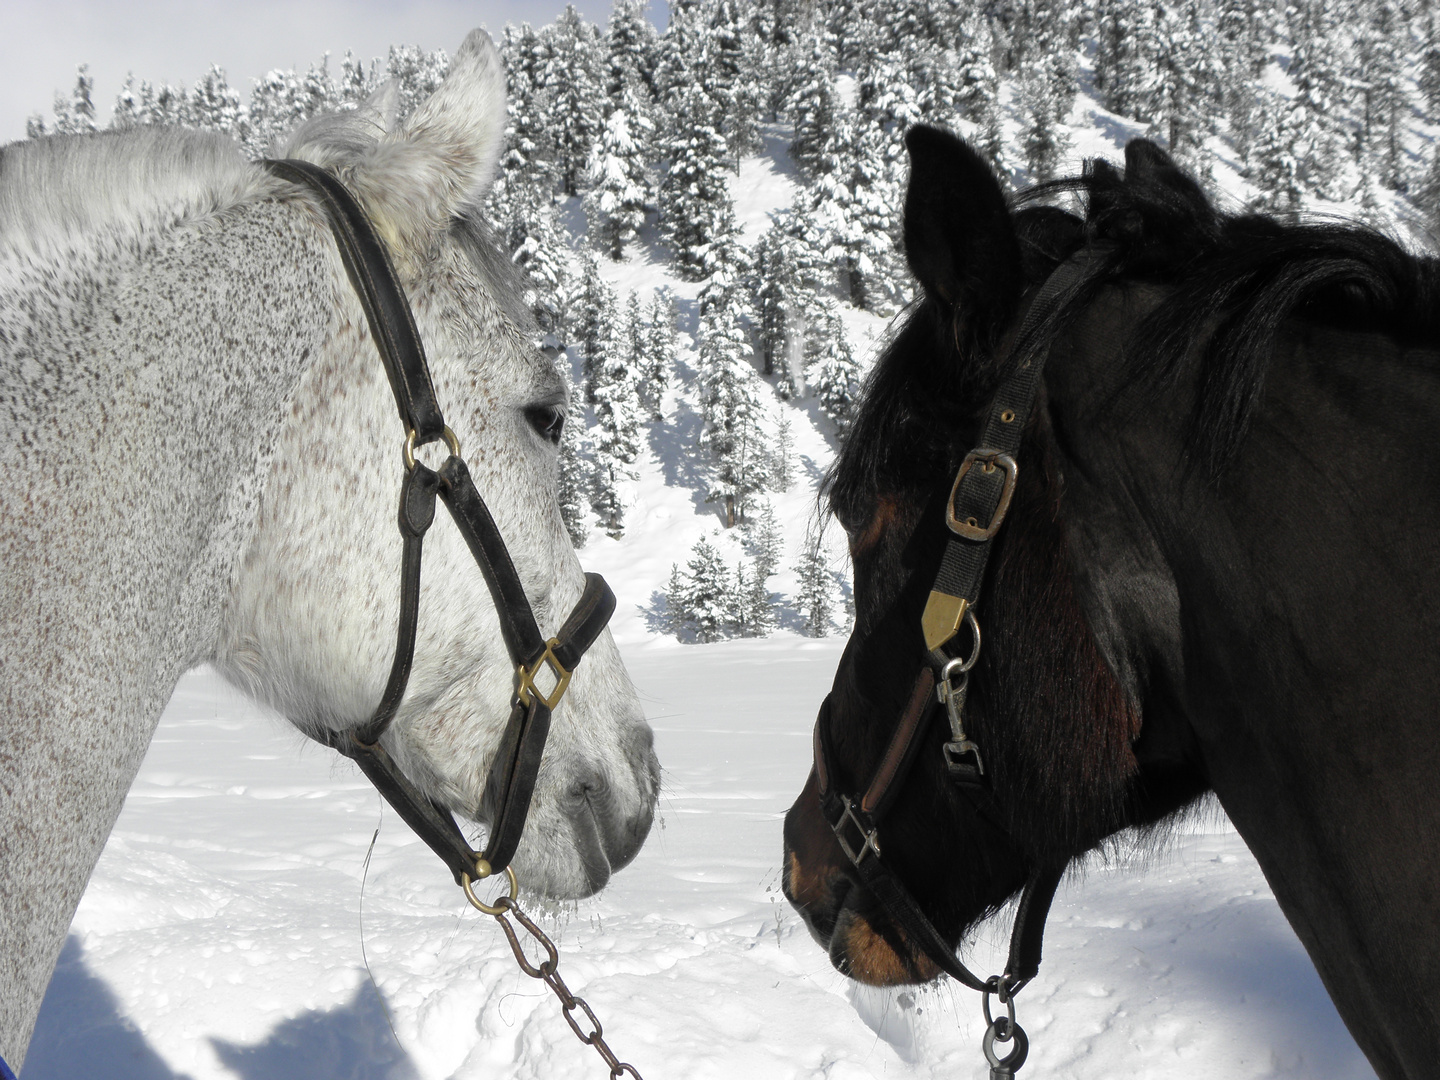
column 221, row 935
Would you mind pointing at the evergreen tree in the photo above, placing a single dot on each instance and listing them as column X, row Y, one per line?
column 837, row 373
column 752, row 607
column 75, row 115
column 630, row 43
column 764, row 540
column 575, row 94
column 596, row 329
column 572, row 481
column 782, row 455
column 813, row 109
column 619, row 186
column 706, row 597
column 777, row 301
column 214, row 106
column 617, row 420
column 659, row 352
column 694, row 200
column 815, row 599
column 732, row 406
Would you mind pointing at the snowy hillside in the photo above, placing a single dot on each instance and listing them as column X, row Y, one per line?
column 222, row 934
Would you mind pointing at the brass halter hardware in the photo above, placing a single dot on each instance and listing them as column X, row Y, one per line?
column 411, row 441
column 988, row 460
column 488, row 909
column 527, row 678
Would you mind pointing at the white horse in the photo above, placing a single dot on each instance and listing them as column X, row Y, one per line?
column 201, row 463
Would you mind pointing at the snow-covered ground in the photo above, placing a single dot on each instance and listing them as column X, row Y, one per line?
column 222, row 933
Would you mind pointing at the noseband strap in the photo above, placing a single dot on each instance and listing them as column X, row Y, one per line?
column 515, row 767
column 979, row 501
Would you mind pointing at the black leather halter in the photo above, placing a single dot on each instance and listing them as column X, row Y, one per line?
column 977, row 507
column 511, row 781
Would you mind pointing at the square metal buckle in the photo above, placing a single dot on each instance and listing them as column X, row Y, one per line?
column 971, row 529
column 871, row 842
column 527, row 678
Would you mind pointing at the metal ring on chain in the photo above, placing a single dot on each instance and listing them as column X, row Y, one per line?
column 497, row 909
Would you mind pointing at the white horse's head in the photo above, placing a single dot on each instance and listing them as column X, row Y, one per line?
column 310, row 624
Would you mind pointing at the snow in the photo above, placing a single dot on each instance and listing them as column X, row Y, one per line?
column 221, row 934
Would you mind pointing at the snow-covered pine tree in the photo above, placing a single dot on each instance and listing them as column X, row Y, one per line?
column 574, row 474
column 815, row 597
column 658, row 352
column 752, row 606
column 617, row 423
column 1316, row 70
column 528, row 164
column 734, row 68
column 75, row 113
column 836, row 372
column 1275, row 170
column 732, row 405
column 782, row 455
column 764, row 540
column 214, row 105
column 676, row 592
column 695, row 205
column 127, row 111
column 619, row 186
column 776, row 300
column 813, row 107
column 575, row 94
column 595, row 329
column 1380, row 42
column 706, row 598
column 630, row 42
column 1243, row 36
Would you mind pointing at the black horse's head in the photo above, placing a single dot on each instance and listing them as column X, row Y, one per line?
column 1054, row 709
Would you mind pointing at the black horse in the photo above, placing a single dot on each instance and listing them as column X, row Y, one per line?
column 1219, row 571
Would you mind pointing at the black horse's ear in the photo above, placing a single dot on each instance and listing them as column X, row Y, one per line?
column 959, row 239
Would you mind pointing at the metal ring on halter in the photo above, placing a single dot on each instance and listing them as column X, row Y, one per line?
column 962, row 665
column 411, row 438
column 999, row 987
column 488, row 909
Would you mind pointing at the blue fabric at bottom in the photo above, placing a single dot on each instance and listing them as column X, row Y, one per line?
column 5, row 1073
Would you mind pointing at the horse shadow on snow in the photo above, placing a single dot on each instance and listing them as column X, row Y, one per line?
column 81, row 1031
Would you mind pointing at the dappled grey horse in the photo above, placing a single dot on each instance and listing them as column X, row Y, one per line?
column 202, row 464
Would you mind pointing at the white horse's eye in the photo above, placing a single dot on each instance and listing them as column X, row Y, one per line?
column 547, row 420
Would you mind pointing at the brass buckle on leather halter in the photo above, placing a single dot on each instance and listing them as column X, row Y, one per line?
column 527, row 678
column 988, row 460
column 870, row 842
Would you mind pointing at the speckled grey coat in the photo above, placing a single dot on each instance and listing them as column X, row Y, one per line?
column 200, row 463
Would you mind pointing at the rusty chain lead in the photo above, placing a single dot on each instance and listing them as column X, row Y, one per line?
column 546, row 971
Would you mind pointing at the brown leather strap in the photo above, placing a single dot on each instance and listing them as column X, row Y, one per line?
column 903, row 745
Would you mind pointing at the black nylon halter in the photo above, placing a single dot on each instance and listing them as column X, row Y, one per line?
column 511, row 780
column 977, row 507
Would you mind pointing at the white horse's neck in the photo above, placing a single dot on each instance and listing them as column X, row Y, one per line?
column 143, row 373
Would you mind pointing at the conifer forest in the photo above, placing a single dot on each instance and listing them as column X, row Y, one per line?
column 741, row 323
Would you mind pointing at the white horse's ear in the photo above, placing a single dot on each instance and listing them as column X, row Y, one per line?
column 383, row 105
column 464, row 120
column 441, row 161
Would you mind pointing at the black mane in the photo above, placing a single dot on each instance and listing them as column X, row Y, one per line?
column 1231, row 279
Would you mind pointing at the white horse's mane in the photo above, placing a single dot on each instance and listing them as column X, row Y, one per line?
column 56, row 192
